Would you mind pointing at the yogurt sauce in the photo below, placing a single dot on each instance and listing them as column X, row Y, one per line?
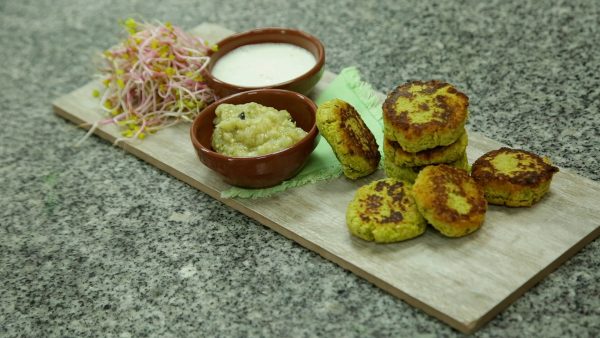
column 263, row 64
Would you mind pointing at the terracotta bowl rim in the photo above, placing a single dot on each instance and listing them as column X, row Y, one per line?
column 311, row 134
column 266, row 30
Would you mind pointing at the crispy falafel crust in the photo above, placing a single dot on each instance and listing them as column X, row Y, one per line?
column 409, row 173
column 441, row 154
column 351, row 140
column 450, row 200
column 384, row 211
column 513, row 177
column 422, row 115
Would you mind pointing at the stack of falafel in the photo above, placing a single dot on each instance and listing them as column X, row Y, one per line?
column 424, row 124
column 425, row 160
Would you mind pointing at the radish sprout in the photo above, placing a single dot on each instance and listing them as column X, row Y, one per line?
column 153, row 80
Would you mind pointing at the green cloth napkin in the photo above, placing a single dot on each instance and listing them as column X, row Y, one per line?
column 322, row 163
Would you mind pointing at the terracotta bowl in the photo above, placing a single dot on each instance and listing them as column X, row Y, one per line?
column 302, row 84
column 266, row 170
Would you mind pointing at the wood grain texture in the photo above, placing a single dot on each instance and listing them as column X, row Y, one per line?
column 464, row 282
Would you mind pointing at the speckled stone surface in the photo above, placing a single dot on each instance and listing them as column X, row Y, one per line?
column 94, row 242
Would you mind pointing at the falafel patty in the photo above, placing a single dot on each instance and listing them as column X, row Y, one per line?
column 423, row 115
column 437, row 155
column 351, row 140
column 384, row 211
column 409, row 173
column 450, row 200
column 513, row 177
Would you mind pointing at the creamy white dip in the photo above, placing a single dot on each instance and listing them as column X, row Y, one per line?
column 263, row 64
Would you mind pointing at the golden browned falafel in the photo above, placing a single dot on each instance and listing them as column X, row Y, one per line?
column 450, row 200
column 351, row 140
column 437, row 155
column 410, row 173
column 423, row 115
column 513, row 177
column 384, row 211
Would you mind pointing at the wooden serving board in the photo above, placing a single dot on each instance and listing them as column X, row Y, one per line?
column 464, row 282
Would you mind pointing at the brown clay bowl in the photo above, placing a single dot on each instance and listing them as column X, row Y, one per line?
column 302, row 84
column 266, row 170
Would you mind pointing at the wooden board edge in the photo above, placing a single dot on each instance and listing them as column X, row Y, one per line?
column 559, row 261
column 460, row 326
column 467, row 328
column 58, row 110
column 268, row 223
column 137, row 153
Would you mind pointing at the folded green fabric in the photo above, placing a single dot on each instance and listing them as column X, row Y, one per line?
column 322, row 163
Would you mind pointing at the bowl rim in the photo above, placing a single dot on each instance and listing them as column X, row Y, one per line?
column 266, row 30
column 310, row 135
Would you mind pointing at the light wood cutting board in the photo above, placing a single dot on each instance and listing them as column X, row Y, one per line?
column 464, row 282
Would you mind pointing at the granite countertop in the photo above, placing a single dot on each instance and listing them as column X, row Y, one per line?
column 94, row 242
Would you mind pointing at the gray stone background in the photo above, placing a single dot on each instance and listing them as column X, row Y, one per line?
column 94, row 242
